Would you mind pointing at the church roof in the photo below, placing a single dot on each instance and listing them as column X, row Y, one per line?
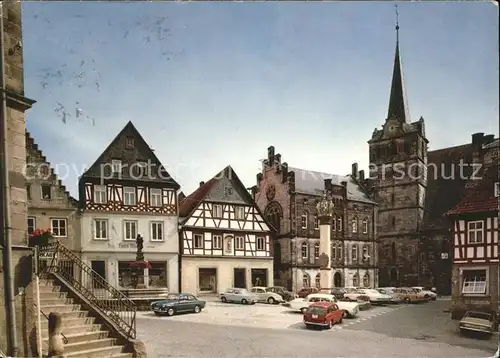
column 445, row 184
column 398, row 104
column 479, row 195
column 312, row 183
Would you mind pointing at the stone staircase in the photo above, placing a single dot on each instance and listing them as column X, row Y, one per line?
column 85, row 338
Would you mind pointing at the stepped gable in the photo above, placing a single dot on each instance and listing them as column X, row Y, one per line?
column 442, row 193
column 32, row 147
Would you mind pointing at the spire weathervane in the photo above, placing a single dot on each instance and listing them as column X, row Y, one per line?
column 397, row 22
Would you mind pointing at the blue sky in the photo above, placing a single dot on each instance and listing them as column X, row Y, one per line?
column 211, row 84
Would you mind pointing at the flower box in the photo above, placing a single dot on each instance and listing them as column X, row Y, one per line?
column 39, row 237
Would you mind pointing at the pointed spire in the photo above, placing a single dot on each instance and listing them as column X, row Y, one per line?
column 398, row 106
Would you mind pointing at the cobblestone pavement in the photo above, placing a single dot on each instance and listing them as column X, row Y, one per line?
column 422, row 323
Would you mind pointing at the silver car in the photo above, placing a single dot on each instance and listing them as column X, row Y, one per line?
column 265, row 296
column 238, row 295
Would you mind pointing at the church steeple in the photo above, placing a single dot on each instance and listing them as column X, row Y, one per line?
column 398, row 106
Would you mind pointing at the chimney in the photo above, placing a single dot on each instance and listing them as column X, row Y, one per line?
column 361, row 176
column 328, row 185
column 477, row 138
column 278, row 159
column 284, row 172
column 343, row 183
column 488, row 138
column 270, row 155
column 202, row 183
column 354, row 171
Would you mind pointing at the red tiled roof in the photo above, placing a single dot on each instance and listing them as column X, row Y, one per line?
column 479, row 194
column 188, row 204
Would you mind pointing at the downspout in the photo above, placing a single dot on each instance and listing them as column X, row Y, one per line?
column 7, row 243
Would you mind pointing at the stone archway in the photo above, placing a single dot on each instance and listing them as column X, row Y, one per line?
column 337, row 279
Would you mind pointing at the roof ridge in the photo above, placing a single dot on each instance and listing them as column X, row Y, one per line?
column 31, row 142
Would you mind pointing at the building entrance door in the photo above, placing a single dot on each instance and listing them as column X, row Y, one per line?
column 100, row 269
column 239, row 278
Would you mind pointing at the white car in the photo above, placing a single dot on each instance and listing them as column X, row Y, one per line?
column 374, row 296
column 350, row 309
column 265, row 296
column 425, row 293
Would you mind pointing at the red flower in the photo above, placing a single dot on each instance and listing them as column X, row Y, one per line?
column 41, row 233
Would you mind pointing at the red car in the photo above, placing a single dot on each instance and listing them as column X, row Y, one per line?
column 306, row 291
column 323, row 314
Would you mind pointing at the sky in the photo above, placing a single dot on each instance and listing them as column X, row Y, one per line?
column 214, row 84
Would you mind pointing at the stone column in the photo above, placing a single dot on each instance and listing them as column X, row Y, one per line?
column 325, row 212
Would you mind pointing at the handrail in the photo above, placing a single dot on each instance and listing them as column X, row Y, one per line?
column 110, row 301
column 65, row 340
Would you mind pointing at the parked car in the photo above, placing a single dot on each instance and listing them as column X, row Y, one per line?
column 408, row 295
column 428, row 294
column 351, row 309
column 323, row 314
column 177, row 303
column 474, row 321
column 306, row 291
column 238, row 295
column 395, row 298
column 338, row 292
column 265, row 296
column 283, row 292
column 373, row 295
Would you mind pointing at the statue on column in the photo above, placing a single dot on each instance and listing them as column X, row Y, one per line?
column 325, row 213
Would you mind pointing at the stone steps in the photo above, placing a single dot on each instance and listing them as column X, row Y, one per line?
column 85, row 338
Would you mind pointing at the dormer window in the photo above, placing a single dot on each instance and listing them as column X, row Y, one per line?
column 129, row 143
column 46, row 192
column 116, row 166
column 497, row 189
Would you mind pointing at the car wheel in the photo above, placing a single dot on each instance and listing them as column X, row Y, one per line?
column 303, row 310
column 197, row 309
column 330, row 325
column 223, row 299
column 407, row 300
column 346, row 314
column 170, row 312
column 244, row 302
column 271, row 301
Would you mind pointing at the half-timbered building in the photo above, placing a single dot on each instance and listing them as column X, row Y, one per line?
column 225, row 241
column 50, row 205
column 475, row 245
column 288, row 196
column 127, row 192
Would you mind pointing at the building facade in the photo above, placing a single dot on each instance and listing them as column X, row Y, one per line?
column 225, row 241
column 127, row 192
column 475, row 245
column 50, row 206
column 288, row 197
column 414, row 188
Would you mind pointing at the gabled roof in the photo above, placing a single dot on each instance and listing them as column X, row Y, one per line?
column 313, row 183
column 32, row 147
column 479, row 194
column 141, row 152
column 443, row 190
column 214, row 190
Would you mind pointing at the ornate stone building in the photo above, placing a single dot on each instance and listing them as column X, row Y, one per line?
column 288, row 198
column 414, row 187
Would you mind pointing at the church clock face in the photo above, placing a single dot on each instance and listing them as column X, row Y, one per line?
column 271, row 192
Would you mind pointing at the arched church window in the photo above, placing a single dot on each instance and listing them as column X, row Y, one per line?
column 355, row 280
column 306, row 280
column 273, row 214
column 318, row 281
column 366, row 280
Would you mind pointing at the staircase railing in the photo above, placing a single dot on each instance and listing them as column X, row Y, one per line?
column 56, row 259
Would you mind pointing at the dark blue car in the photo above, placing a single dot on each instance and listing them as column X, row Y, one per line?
column 177, row 303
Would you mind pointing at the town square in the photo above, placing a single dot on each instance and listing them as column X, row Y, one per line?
column 252, row 179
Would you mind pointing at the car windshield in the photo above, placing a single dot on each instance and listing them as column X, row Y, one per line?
column 316, row 310
column 480, row 315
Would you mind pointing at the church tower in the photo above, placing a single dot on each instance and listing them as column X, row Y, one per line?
column 398, row 175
